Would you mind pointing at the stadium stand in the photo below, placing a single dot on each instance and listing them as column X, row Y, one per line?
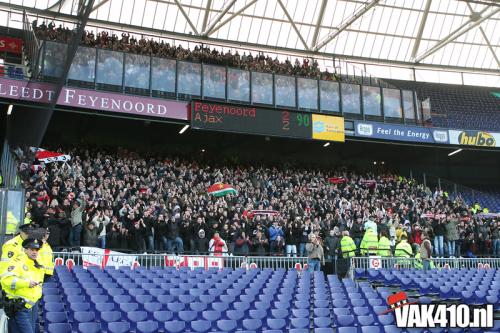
column 457, row 106
column 125, row 218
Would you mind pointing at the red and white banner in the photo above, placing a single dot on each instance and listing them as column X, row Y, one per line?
column 337, row 180
column 93, row 256
column 12, row 45
column 46, row 156
column 193, row 261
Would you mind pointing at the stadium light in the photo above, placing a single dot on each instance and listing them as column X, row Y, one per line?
column 455, row 152
column 326, row 144
column 184, row 129
column 9, row 110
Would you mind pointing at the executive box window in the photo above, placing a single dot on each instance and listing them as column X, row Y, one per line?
column 163, row 76
column 238, row 86
column 262, row 88
column 214, row 82
column 109, row 69
column 189, row 80
column 308, row 93
column 371, row 101
column 83, row 66
column 285, row 90
column 392, row 103
column 329, row 99
column 350, row 98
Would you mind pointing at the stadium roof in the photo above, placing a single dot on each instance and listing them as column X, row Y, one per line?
column 457, row 35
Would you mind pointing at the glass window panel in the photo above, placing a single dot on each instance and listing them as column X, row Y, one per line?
column 329, row 96
column 189, row 82
column 163, row 75
column 238, row 88
column 285, row 90
column 350, row 98
column 392, row 103
column 262, row 88
column 371, row 101
column 109, row 67
column 214, row 81
column 408, row 105
column 83, row 65
column 137, row 71
column 308, row 93
column 55, row 56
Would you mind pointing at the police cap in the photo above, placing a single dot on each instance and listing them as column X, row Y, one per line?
column 32, row 243
column 26, row 227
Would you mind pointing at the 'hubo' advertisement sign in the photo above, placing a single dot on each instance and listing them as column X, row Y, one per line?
column 474, row 138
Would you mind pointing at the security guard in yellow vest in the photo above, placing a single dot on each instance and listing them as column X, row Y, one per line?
column 384, row 245
column 403, row 250
column 45, row 256
column 12, row 223
column 347, row 250
column 369, row 243
column 22, row 285
column 13, row 247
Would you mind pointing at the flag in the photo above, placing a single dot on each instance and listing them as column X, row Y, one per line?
column 46, row 156
column 337, row 180
column 221, row 189
column 252, row 213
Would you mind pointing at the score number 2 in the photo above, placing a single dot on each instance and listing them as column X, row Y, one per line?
column 303, row 120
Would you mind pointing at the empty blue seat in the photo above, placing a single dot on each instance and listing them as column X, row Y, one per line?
column 56, row 317
column 119, row 327
column 322, row 322
column 361, row 311
column 147, row 326
column 136, row 316
column 366, row 320
column 163, row 316
column 299, row 322
column 176, row 306
column 235, row 314
column 345, row 320
column 99, row 298
column 187, row 315
column 111, row 316
column 252, row 324
column 226, row 325
column 198, row 306
column 75, row 307
column 346, row 329
column 175, row 326
column 59, row 328
column 201, row 326
column 371, row 329
column 276, row 324
column 89, row 327
column 128, row 307
column 153, row 306
column 101, row 307
column 300, row 313
column 53, row 307
column 84, row 316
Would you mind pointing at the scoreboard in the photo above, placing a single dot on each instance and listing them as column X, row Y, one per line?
column 262, row 121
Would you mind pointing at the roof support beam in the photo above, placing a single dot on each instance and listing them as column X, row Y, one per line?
column 223, row 23
column 464, row 28
column 486, row 39
column 345, row 25
column 183, row 12
column 290, row 19
column 318, row 22
column 421, row 29
column 218, row 18
column 207, row 13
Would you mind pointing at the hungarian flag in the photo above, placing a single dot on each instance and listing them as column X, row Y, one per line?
column 221, row 189
column 337, row 180
column 46, row 156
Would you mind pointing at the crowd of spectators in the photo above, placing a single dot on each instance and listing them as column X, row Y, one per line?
column 200, row 53
column 122, row 200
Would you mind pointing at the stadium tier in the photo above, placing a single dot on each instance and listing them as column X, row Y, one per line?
column 119, row 300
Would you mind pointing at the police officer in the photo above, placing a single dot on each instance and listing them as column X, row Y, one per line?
column 45, row 257
column 22, row 286
column 369, row 244
column 13, row 247
column 347, row 250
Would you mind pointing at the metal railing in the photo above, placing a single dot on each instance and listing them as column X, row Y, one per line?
column 366, row 263
column 170, row 260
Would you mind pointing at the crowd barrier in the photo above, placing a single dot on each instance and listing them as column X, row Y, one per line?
column 104, row 258
column 365, row 263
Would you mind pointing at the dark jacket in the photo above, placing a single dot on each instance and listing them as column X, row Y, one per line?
column 173, row 230
column 332, row 243
column 90, row 236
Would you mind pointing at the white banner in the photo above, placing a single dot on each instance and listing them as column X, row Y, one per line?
column 375, row 262
column 93, row 256
column 118, row 259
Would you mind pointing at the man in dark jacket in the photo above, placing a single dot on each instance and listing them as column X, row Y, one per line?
column 91, row 234
column 332, row 243
column 197, row 244
column 173, row 239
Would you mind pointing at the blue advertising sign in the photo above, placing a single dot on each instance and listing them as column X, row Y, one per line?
column 401, row 132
